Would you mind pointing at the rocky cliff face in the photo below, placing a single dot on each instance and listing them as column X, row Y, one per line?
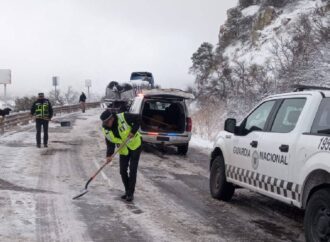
column 254, row 25
column 264, row 47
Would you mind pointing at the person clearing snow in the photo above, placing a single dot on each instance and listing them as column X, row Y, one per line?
column 116, row 129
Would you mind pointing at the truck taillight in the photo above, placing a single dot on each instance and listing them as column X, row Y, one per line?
column 189, row 125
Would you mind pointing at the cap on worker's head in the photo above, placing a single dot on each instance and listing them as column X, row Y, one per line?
column 41, row 94
column 106, row 115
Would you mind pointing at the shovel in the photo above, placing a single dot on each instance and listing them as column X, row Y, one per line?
column 84, row 191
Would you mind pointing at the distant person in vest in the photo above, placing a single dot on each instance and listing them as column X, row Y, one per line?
column 82, row 100
column 43, row 112
column 116, row 129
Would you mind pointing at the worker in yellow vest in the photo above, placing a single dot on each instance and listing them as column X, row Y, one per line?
column 43, row 112
column 117, row 128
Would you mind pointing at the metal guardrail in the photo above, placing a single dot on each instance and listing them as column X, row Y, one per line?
column 23, row 118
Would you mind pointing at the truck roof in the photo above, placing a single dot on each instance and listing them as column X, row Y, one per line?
column 303, row 90
column 324, row 93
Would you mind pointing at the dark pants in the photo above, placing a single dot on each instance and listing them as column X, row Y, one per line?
column 83, row 106
column 132, row 161
column 44, row 123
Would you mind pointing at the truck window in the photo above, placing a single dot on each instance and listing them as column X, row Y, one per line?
column 321, row 123
column 288, row 115
column 257, row 119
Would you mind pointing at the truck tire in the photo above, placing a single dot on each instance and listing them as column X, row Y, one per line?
column 183, row 149
column 317, row 217
column 219, row 187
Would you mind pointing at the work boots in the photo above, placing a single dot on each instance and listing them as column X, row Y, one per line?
column 129, row 198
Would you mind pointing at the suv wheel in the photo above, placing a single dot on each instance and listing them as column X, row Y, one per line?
column 219, row 187
column 317, row 216
column 183, row 149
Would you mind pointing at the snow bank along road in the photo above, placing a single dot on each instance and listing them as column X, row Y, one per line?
column 172, row 200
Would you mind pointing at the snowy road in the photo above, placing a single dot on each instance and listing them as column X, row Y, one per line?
column 172, row 200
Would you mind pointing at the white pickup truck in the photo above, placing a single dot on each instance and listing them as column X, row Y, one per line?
column 281, row 149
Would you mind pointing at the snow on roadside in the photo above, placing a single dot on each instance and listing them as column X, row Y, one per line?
column 20, row 170
column 17, row 208
column 197, row 141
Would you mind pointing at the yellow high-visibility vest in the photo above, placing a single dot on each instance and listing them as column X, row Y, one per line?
column 124, row 130
column 42, row 110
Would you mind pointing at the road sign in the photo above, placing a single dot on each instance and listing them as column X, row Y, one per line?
column 5, row 76
column 55, row 81
column 88, row 83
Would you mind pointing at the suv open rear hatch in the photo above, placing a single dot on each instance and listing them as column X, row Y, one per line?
column 167, row 94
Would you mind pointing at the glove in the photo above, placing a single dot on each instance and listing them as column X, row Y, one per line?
column 130, row 136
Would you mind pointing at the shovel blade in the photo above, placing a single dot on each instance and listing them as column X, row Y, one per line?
column 83, row 192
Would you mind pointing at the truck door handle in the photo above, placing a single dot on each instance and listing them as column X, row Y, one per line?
column 284, row 148
column 254, row 144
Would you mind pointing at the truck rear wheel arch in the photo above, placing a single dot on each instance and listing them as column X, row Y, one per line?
column 316, row 180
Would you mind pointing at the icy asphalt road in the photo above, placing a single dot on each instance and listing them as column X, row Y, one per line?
column 172, row 200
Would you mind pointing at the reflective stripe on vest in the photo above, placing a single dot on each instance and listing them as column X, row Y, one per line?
column 124, row 130
column 42, row 110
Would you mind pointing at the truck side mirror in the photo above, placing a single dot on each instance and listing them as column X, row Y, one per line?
column 230, row 125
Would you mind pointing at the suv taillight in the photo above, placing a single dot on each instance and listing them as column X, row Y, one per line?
column 189, row 125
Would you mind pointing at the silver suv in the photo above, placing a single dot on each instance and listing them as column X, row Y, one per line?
column 164, row 117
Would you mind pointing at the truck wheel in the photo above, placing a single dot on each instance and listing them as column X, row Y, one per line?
column 317, row 216
column 183, row 149
column 219, row 187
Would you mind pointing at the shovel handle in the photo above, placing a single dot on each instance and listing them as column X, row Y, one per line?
column 105, row 163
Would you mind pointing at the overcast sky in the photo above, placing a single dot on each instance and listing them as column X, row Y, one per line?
column 103, row 40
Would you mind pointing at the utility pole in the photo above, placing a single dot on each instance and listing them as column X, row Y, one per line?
column 55, row 84
column 5, row 94
column 88, row 84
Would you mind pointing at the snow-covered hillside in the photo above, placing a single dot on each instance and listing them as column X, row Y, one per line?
column 263, row 33
column 271, row 24
column 264, row 47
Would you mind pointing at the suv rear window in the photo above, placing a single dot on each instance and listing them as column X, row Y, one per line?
column 158, row 105
column 321, row 123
